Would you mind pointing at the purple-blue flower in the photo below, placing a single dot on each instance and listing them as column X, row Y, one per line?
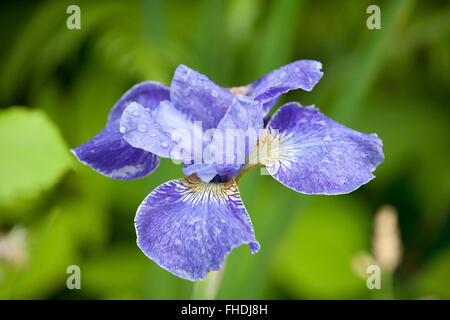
column 189, row 225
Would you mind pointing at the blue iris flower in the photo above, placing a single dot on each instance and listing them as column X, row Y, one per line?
column 189, row 225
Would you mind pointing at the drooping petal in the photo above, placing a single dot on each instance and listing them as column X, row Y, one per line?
column 301, row 74
column 188, row 227
column 194, row 94
column 313, row 154
column 148, row 94
column 165, row 131
column 236, row 135
column 110, row 155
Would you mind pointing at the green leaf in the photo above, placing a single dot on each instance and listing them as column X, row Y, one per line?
column 34, row 155
column 366, row 63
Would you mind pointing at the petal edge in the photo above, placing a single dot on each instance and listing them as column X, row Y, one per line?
column 316, row 155
column 188, row 227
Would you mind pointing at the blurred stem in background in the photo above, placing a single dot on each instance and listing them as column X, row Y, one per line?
column 208, row 288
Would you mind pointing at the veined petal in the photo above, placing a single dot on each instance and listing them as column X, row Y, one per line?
column 148, row 94
column 313, row 154
column 110, row 155
column 301, row 74
column 188, row 227
column 194, row 94
column 164, row 131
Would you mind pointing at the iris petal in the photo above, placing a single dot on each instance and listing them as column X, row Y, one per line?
column 194, row 94
column 165, row 132
column 301, row 74
column 236, row 135
column 188, row 227
column 148, row 94
column 110, row 155
column 313, row 154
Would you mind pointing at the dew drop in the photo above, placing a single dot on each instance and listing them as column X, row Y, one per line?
column 187, row 92
column 176, row 137
column 142, row 128
column 214, row 93
column 122, row 129
column 164, row 144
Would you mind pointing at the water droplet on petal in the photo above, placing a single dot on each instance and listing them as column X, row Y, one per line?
column 122, row 129
column 282, row 74
column 142, row 128
column 186, row 92
column 176, row 137
column 164, row 144
column 214, row 93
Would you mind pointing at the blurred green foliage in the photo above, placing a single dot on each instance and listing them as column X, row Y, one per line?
column 394, row 81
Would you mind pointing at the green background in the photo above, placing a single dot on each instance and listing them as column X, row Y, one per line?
column 57, row 86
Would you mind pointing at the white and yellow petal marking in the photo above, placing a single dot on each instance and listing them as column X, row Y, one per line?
column 313, row 154
column 195, row 191
column 276, row 150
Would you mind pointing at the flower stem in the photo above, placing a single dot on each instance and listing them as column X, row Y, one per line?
column 246, row 169
column 207, row 289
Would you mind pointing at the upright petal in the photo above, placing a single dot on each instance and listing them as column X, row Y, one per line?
column 188, row 227
column 313, row 154
column 301, row 74
column 148, row 94
column 110, row 155
column 236, row 135
column 194, row 94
